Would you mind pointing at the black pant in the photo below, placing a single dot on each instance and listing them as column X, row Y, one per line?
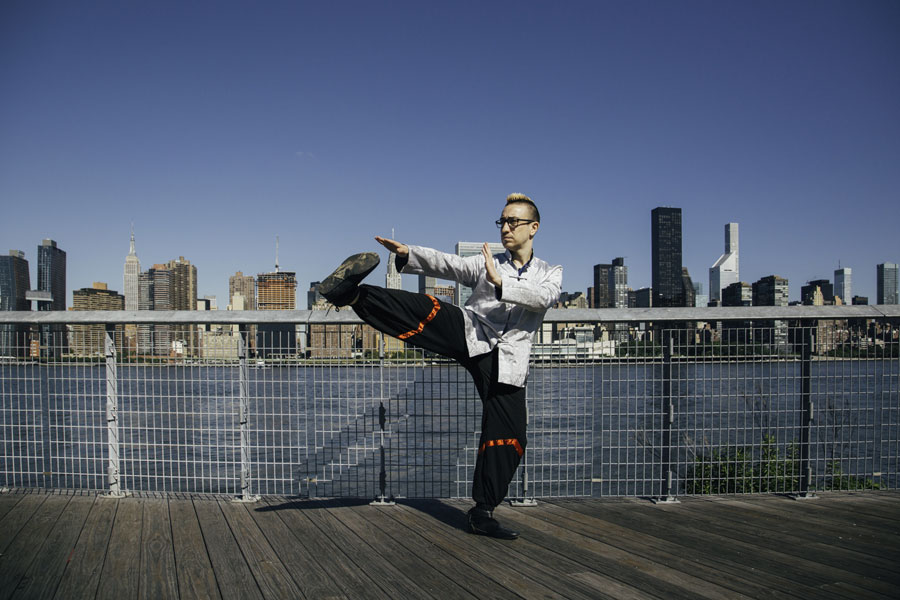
column 426, row 322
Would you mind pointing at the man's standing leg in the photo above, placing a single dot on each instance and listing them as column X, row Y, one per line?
column 501, row 447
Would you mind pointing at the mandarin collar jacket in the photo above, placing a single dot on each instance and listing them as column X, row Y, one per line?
column 505, row 318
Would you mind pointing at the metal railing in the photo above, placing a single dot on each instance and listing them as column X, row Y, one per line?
column 622, row 402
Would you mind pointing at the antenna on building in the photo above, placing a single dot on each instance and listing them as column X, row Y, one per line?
column 276, row 254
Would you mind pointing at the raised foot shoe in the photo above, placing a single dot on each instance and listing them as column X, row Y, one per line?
column 482, row 522
column 339, row 288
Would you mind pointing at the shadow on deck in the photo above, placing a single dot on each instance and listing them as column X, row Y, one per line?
column 77, row 545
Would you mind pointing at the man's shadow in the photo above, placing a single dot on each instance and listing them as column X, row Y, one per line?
column 439, row 511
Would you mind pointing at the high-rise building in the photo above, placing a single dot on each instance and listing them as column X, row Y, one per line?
column 52, row 278
column 245, row 285
column 887, row 292
column 89, row 340
column 817, row 293
column 771, row 291
column 15, row 281
column 737, row 294
column 843, row 285
column 472, row 249
column 687, row 287
column 600, row 289
column 155, row 293
column 184, row 297
column 665, row 242
column 726, row 270
column 392, row 279
column 426, row 285
column 276, row 290
column 700, row 298
column 131, row 277
column 610, row 285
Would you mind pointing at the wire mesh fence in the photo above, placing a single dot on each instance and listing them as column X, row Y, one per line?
column 335, row 409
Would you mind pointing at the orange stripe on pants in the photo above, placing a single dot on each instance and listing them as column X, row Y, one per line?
column 507, row 442
column 422, row 324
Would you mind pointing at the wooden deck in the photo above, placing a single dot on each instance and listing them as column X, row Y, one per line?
column 79, row 545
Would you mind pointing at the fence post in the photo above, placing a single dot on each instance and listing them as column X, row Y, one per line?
column 244, row 416
column 668, row 418
column 112, row 417
column 808, row 405
column 382, row 500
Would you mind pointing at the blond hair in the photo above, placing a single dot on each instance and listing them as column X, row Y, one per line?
column 523, row 199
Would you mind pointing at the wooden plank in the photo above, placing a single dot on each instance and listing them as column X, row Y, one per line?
column 681, row 530
column 851, row 547
column 13, row 521
column 333, row 561
column 510, row 563
column 410, row 567
column 293, row 551
column 120, row 576
column 193, row 568
column 702, row 560
column 421, row 537
column 23, row 549
column 231, row 570
column 85, row 563
column 44, row 574
column 392, row 582
column 272, row 577
column 609, row 561
column 158, row 575
column 7, row 501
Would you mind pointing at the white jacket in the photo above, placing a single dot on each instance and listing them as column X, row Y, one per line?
column 508, row 322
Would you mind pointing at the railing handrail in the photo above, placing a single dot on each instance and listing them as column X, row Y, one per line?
column 554, row 315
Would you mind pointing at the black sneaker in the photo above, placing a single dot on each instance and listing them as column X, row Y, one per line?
column 482, row 522
column 339, row 288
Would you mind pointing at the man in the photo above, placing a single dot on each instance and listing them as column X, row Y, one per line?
column 490, row 336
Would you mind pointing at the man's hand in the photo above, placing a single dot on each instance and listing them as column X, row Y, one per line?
column 492, row 275
column 394, row 246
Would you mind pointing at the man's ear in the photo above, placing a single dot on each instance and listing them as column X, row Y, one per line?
column 534, row 228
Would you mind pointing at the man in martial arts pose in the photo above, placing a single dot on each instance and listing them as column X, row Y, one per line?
column 490, row 336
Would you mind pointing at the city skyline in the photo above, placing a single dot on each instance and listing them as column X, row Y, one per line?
column 327, row 125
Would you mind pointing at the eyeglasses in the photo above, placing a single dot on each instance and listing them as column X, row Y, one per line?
column 513, row 222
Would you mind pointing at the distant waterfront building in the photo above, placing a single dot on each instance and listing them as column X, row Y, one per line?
column 52, row 278
column 700, row 299
column 445, row 293
column 471, row 249
column 860, row 300
column 313, row 298
column 843, row 284
column 15, row 281
column 131, row 277
column 665, row 241
column 245, row 285
column 819, row 292
column 155, row 293
column 610, row 287
column 276, row 290
column 90, row 340
column 887, row 292
column 392, row 279
column 643, row 298
column 687, row 287
column 184, row 297
column 737, row 294
column 771, row 291
column 726, row 270
column 426, row 285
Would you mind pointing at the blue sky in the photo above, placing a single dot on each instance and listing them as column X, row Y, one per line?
column 216, row 126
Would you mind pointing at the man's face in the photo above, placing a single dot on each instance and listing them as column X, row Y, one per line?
column 515, row 238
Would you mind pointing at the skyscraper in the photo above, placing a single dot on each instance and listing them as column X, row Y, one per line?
column 843, row 285
column 131, row 277
column 472, row 249
column 184, row 297
column 245, row 285
column 665, row 242
column 392, row 279
column 88, row 340
column 155, row 293
column 52, row 278
column 15, row 282
column 726, row 270
column 887, row 292
column 817, row 293
column 610, row 289
column 276, row 291
column 770, row 291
